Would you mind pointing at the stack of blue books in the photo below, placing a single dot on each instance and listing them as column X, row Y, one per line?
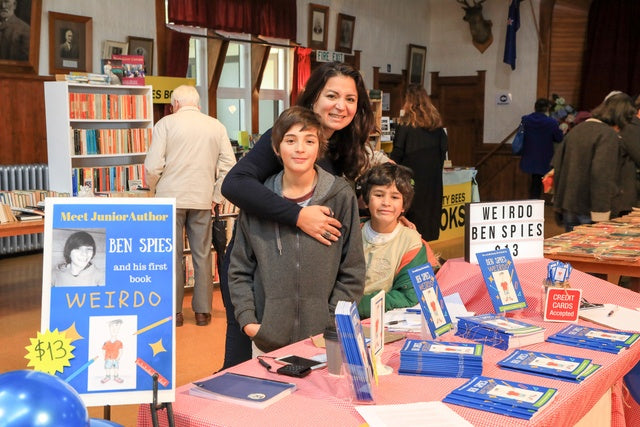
column 355, row 353
column 441, row 359
column 607, row 340
column 556, row 366
column 499, row 331
column 510, row 398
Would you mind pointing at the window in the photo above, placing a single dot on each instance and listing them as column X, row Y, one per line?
column 273, row 91
column 234, row 90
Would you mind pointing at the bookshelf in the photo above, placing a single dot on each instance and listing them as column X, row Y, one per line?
column 375, row 97
column 97, row 135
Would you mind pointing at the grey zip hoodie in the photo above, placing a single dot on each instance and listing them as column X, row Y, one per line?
column 287, row 281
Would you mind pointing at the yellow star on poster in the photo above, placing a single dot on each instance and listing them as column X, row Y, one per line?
column 72, row 333
column 49, row 352
column 157, row 347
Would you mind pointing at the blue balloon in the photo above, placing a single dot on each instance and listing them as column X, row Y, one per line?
column 33, row 398
column 98, row 422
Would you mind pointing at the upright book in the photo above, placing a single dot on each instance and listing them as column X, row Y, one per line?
column 502, row 281
column 354, row 350
column 430, row 299
column 242, row 389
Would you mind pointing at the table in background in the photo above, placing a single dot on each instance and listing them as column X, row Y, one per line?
column 21, row 227
column 322, row 399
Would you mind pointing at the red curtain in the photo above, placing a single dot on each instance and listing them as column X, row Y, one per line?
column 301, row 71
column 612, row 56
column 177, row 64
column 273, row 18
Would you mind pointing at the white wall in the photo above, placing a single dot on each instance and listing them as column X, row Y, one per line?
column 112, row 20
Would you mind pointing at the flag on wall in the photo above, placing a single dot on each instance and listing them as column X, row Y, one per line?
column 513, row 25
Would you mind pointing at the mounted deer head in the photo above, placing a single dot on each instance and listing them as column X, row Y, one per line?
column 480, row 27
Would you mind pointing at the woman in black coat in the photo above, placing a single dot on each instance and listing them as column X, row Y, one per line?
column 420, row 143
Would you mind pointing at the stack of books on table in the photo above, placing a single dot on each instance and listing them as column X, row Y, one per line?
column 441, row 359
column 556, row 366
column 355, row 353
column 510, row 398
column 498, row 331
column 607, row 340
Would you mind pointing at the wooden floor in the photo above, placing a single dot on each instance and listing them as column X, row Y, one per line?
column 199, row 349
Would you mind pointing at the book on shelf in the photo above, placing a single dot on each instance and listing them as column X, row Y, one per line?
column 132, row 68
column 6, row 214
column 432, row 305
column 557, row 366
column 510, row 398
column 607, row 340
column 355, row 354
column 112, row 68
column 244, row 390
column 501, row 279
column 498, row 331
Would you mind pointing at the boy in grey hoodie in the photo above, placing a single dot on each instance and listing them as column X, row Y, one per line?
column 285, row 285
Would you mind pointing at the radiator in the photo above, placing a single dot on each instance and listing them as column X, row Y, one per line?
column 23, row 177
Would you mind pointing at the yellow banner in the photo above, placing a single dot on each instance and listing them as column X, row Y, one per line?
column 163, row 86
column 452, row 217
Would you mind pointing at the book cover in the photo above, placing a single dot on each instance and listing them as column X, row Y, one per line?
column 133, row 69
column 430, row 299
column 501, row 279
column 113, row 69
column 548, row 364
column 242, row 389
column 354, row 350
column 499, row 332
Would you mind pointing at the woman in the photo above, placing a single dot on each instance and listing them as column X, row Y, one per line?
column 420, row 143
column 78, row 268
column 586, row 164
column 336, row 92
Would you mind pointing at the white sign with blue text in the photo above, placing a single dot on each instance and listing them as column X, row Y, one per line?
column 109, row 285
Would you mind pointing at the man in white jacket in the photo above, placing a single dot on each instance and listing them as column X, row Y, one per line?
column 189, row 156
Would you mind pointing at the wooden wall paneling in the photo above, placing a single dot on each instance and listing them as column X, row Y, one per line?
column 161, row 38
column 23, row 134
column 394, row 85
column 500, row 178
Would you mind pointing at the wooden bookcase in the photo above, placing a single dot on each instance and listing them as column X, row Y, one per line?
column 97, row 135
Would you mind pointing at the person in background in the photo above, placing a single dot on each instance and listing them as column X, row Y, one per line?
column 337, row 93
column 585, row 182
column 420, row 143
column 630, row 162
column 14, row 33
column 78, row 268
column 188, row 159
column 390, row 248
column 540, row 134
column 285, row 284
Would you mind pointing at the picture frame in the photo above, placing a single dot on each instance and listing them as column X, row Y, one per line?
column 416, row 64
column 318, row 26
column 70, row 43
column 111, row 47
column 143, row 47
column 22, row 56
column 344, row 33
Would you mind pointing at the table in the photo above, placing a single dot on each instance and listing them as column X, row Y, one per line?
column 21, row 227
column 324, row 400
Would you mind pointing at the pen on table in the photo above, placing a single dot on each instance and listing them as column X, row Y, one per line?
column 612, row 311
column 393, row 322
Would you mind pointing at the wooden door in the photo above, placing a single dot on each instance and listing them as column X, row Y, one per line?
column 460, row 100
column 394, row 85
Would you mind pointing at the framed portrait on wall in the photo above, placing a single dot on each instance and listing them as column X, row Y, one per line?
column 70, row 43
column 114, row 48
column 318, row 26
column 143, row 47
column 20, row 36
column 416, row 64
column 344, row 34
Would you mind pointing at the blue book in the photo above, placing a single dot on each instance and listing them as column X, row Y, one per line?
column 511, row 395
column 498, row 331
column 558, row 366
column 355, row 353
column 242, row 389
column 491, row 406
column 501, row 279
column 610, row 341
column 431, row 301
column 441, row 359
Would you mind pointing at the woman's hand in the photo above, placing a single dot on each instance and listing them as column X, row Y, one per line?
column 318, row 222
column 251, row 329
column 404, row 221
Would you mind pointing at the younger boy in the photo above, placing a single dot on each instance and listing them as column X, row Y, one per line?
column 284, row 284
column 390, row 248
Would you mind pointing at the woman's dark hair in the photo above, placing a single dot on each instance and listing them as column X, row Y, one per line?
column 76, row 240
column 387, row 174
column 346, row 146
column 294, row 116
column 542, row 105
column 615, row 110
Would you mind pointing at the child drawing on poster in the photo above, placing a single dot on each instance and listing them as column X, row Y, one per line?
column 431, row 298
column 503, row 282
column 112, row 353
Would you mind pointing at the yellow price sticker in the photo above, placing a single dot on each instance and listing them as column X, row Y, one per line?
column 50, row 352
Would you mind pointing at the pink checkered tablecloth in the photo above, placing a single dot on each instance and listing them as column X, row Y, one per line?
column 325, row 400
